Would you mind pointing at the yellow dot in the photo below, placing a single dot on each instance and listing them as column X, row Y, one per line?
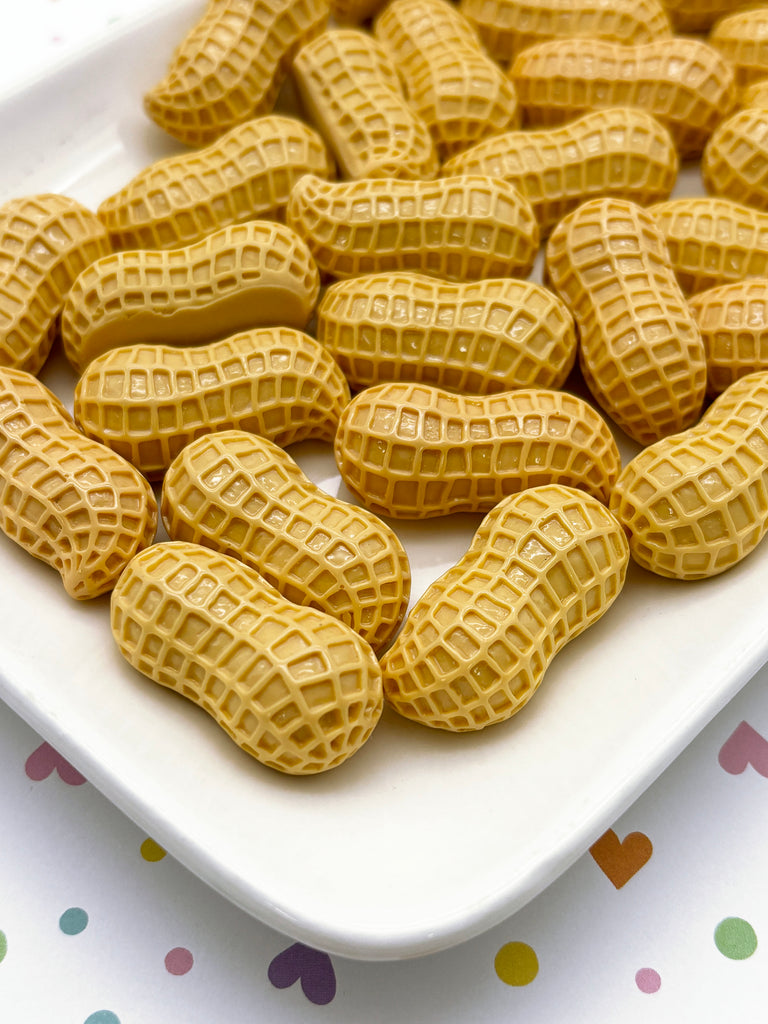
column 516, row 964
column 150, row 850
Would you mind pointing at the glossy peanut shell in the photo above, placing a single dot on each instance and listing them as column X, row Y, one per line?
column 735, row 160
column 742, row 38
column 733, row 320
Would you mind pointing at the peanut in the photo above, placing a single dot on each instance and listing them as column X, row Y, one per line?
column 65, row 499
column 742, row 38
column 696, row 15
column 506, row 27
column 412, row 451
column 45, row 241
column 733, row 320
column 735, row 161
column 231, row 65
column 247, row 275
column 293, row 687
column 246, row 174
column 345, row 12
column 621, row 152
column 713, row 241
column 641, row 352
column 462, row 229
column 695, row 504
column 544, row 565
column 755, row 95
column 485, row 336
column 350, row 90
column 242, row 495
column 147, row 402
column 453, row 85
column 684, row 83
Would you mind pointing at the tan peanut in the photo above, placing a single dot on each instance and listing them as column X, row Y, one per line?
column 755, row 95
column 696, row 15
column 620, row 151
column 684, row 83
column 412, row 451
column 733, row 320
column 506, row 27
column 461, row 229
column 695, row 504
column 450, row 81
column 712, row 240
column 742, row 38
column 242, row 495
column 543, row 566
column 735, row 160
column 244, row 276
column 231, row 65
column 246, row 174
column 45, row 241
column 65, row 499
column 352, row 12
column 640, row 350
column 485, row 336
column 349, row 88
column 147, row 402
column 293, row 687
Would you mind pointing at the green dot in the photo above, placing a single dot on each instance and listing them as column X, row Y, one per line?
column 735, row 938
column 516, row 964
column 3, row 946
column 73, row 921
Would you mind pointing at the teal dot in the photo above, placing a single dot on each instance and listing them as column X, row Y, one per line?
column 3, row 946
column 73, row 921
column 102, row 1017
column 735, row 938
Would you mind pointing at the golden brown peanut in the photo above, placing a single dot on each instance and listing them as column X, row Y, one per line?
column 713, row 241
column 147, row 402
column 735, row 161
column 461, row 229
column 45, row 241
column 733, row 320
column 755, row 95
column 412, row 451
column 350, row 90
column 742, row 38
column 231, row 65
column 65, row 499
column 544, row 565
column 450, row 81
column 696, row 15
column 246, row 174
column 684, row 83
column 478, row 338
column 243, row 496
column 506, row 27
column 244, row 276
column 640, row 351
column 293, row 687
column 695, row 504
column 619, row 151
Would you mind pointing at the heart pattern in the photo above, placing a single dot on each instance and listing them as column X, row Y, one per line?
column 44, row 760
column 620, row 860
column 744, row 746
column 313, row 968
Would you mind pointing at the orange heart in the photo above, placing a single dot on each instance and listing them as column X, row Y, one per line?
column 621, row 860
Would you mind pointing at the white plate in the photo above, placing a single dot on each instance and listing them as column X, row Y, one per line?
column 423, row 839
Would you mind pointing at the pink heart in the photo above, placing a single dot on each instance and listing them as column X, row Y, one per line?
column 44, row 760
column 744, row 746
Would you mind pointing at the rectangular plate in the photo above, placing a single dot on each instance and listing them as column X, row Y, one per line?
column 423, row 839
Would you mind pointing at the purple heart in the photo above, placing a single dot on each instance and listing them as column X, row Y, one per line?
column 744, row 746
column 318, row 979
column 44, row 760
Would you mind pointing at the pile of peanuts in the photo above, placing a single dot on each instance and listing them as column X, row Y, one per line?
column 398, row 223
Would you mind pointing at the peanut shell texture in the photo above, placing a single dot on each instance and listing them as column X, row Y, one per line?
column 696, row 15
column 755, row 95
column 412, row 451
column 230, row 66
column 460, row 229
column 733, row 320
column 497, row 334
column 543, row 566
column 147, row 402
column 65, row 499
column 241, row 495
column 247, row 275
column 293, row 687
column 696, row 504
column 46, row 240
column 735, row 160
column 640, row 351
column 742, row 38
column 352, row 12
column 619, row 151
column 246, row 174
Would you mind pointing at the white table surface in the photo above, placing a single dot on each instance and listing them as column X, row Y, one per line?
column 98, row 926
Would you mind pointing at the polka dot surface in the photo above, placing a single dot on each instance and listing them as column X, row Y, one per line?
column 102, row 1017
column 152, row 851
column 516, row 963
column 735, row 938
column 648, row 980
column 179, row 961
column 3, row 946
column 73, row 921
